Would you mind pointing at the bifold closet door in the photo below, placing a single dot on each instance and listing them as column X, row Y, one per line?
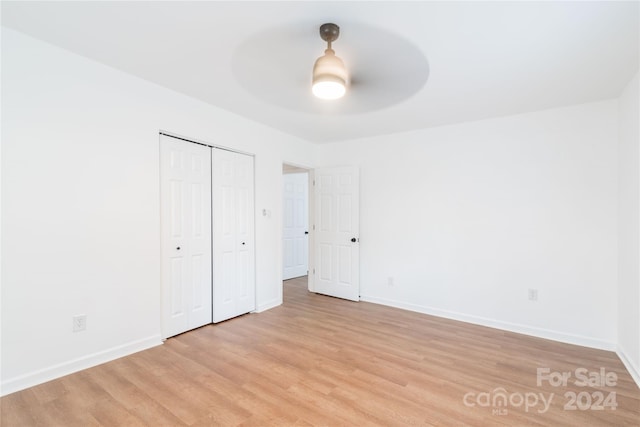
column 185, row 189
column 233, row 235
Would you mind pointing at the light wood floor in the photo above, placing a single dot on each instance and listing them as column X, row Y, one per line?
column 318, row 360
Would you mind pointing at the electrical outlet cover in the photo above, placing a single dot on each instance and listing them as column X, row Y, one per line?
column 79, row 323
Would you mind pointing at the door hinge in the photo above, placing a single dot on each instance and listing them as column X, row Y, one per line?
column 314, row 226
column 314, row 271
column 314, row 182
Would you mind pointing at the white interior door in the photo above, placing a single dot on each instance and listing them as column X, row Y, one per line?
column 233, row 231
column 336, row 243
column 185, row 189
column 295, row 225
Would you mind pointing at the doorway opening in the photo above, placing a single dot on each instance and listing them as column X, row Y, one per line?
column 295, row 225
column 326, row 223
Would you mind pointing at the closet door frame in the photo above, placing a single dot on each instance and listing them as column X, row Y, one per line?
column 165, row 333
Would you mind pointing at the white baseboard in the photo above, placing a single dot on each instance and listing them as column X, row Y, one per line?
column 268, row 305
column 492, row 323
column 31, row 379
column 634, row 371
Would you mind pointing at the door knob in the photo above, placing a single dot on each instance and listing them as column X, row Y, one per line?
column 353, row 239
column 243, row 243
column 178, row 248
column 306, row 232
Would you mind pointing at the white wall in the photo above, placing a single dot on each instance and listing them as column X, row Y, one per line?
column 467, row 218
column 80, row 197
column 629, row 228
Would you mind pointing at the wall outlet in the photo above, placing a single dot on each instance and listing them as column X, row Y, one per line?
column 533, row 295
column 79, row 322
column 390, row 282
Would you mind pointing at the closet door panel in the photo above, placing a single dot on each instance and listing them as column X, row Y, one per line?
column 233, row 225
column 245, row 228
column 185, row 216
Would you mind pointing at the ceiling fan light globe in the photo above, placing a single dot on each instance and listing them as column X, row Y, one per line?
column 329, row 89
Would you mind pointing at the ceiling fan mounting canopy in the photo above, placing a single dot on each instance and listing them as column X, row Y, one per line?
column 329, row 32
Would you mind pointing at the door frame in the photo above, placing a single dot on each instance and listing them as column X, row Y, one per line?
column 311, row 285
column 311, row 214
column 301, row 177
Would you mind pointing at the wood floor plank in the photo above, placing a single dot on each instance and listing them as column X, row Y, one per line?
column 322, row 361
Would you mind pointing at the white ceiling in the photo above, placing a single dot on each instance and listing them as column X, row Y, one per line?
column 482, row 59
